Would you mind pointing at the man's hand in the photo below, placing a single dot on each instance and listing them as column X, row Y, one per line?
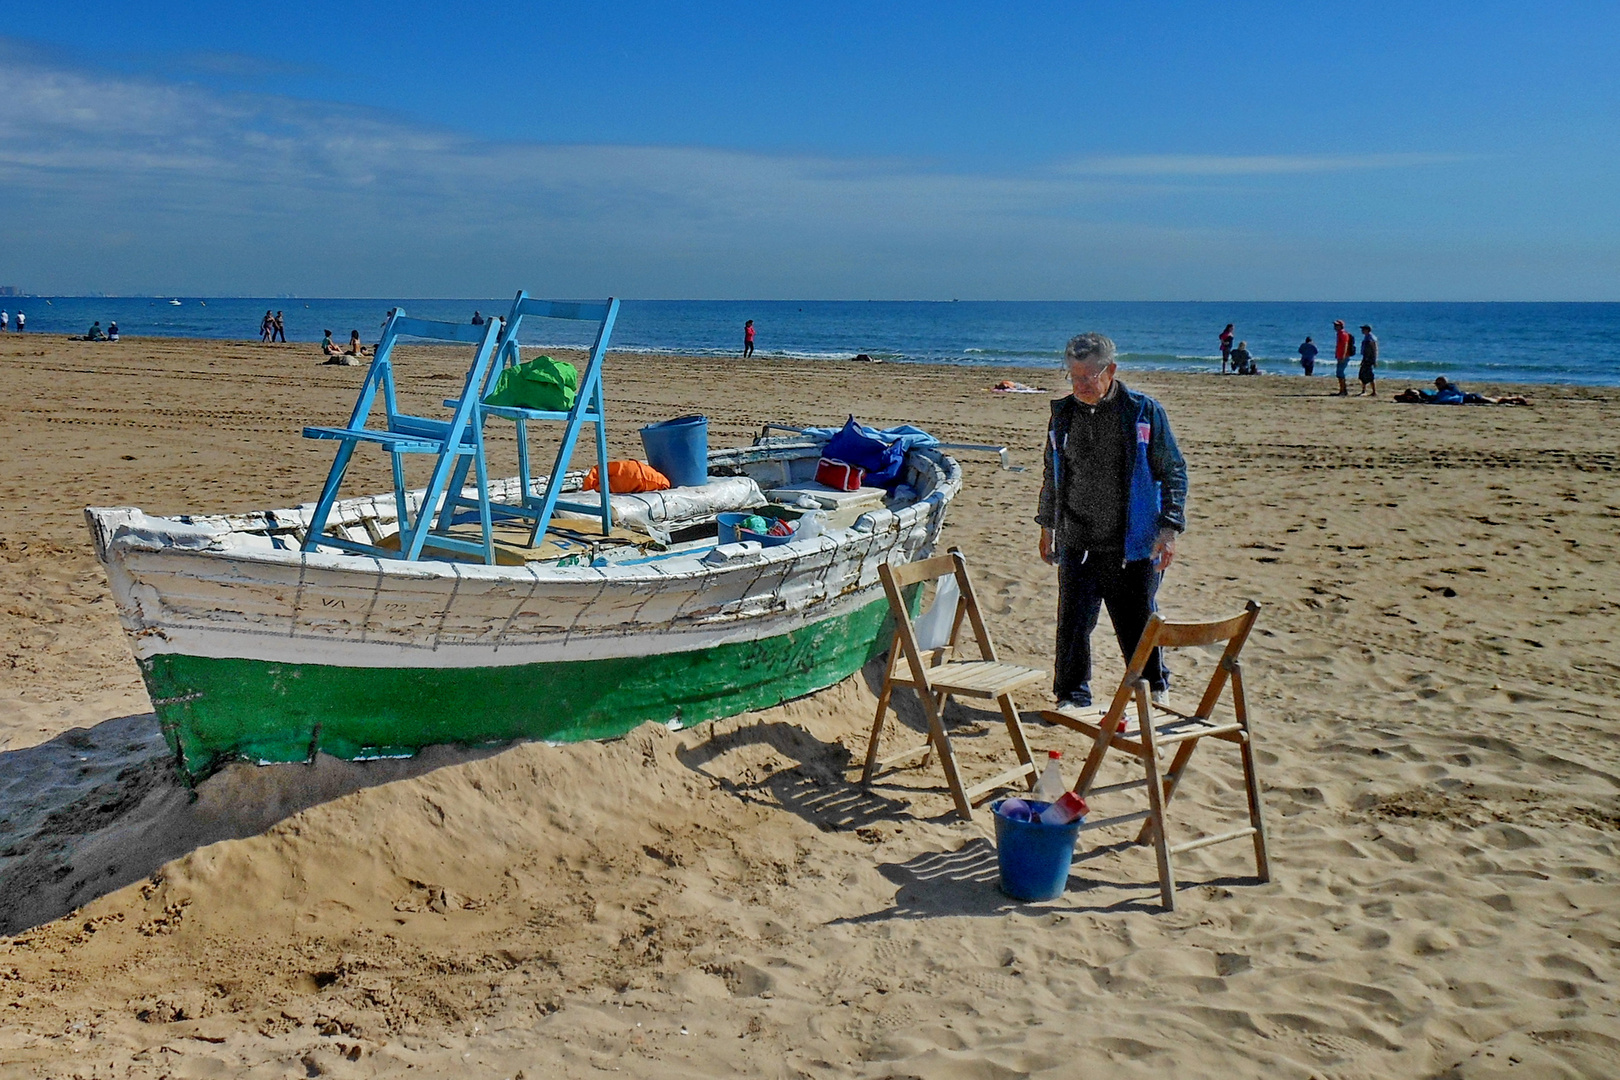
column 1048, row 556
column 1164, row 550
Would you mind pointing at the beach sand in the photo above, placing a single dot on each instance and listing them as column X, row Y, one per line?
column 1435, row 685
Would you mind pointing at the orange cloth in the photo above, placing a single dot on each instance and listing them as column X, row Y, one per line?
column 625, row 477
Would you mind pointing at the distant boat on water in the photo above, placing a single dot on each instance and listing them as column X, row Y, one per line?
column 175, row 303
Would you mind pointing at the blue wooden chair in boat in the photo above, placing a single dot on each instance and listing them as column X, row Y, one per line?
column 588, row 408
column 456, row 443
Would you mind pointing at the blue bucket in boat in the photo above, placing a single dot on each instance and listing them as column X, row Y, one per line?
column 730, row 525
column 679, row 449
column 1034, row 856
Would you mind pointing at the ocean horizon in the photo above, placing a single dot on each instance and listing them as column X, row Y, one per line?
column 1503, row 342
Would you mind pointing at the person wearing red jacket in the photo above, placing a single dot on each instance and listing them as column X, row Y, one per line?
column 1343, row 349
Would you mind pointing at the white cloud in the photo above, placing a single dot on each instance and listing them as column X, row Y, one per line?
column 123, row 183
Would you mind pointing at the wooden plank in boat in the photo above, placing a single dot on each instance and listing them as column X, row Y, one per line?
column 512, row 542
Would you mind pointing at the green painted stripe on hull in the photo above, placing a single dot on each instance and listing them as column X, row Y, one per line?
column 215, row 710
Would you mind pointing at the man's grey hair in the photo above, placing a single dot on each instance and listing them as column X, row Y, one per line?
column 1093, row 350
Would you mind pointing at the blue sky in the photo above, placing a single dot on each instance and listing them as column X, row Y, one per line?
column 1047, row 151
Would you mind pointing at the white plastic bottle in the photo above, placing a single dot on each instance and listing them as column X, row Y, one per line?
column 1049, row 788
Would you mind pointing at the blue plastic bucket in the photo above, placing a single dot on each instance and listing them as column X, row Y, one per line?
column 1034, row 856
column 765, row 539
column 679, row 449
column 730, row 524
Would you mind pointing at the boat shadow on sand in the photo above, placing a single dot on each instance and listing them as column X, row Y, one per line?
column 822, row 785
column 95, row 809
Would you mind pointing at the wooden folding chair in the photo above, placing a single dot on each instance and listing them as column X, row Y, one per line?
column 936, row 676
column 1161, row 726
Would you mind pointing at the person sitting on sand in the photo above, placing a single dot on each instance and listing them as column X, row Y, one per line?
column 355, row 349
column 95, row 333
column 1242, row 362
column 112, row 331
column 330, row 347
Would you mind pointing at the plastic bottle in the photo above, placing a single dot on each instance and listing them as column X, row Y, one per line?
column 1068, row 807
column 1050, row 786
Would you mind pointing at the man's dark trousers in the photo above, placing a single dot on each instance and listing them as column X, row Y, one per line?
column 1086, row 581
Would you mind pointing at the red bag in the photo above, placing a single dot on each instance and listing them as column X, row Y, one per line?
column 839, row 475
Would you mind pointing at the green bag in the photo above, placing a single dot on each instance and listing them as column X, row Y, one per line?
column 541, row 383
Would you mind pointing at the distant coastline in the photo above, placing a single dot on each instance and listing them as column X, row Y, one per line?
column 1509, row 342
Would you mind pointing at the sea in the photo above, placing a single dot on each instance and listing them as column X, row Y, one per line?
column 1575, row 343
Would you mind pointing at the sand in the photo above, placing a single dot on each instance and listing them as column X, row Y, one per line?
column 1435, row 681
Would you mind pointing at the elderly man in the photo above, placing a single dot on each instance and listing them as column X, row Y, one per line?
column 1112, row 501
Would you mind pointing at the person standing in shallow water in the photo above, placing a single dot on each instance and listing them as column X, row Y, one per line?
column 1226, row 346
column 748, row 339
column 1113, row 499
column 1307, row 355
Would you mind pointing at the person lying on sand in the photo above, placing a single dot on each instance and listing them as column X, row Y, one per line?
column 1446, row 392
column 1007, row 386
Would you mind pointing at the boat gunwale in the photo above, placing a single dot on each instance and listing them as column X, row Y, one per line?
column 114, row 545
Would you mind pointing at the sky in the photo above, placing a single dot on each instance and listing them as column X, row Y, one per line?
column 1086, row 151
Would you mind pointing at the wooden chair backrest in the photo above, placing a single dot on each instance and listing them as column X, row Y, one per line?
column 896, row 578
column 1164, row 634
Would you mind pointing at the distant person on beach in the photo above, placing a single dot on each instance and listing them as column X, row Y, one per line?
column 112, row 331
column 1369, row 360
column 1242, row 362
column 748, row 339
column 1112, row 541
column 278, row 329
column 266, row 325
column 1344, row 347
column 1446, row 392
column 1307, row 355
column 21, row 321
column 478, row 318
column 355, row 349
column 95, row 332
column 330, row 347
column 1226, row 347
column 5, row 321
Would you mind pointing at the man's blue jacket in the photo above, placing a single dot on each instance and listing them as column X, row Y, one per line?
column 1155, row 480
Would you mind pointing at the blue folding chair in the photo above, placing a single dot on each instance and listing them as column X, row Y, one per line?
column 458, row 443
column 587, row 409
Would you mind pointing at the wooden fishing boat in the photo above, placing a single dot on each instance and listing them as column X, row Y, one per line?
column 254, row 649
column 471, row 611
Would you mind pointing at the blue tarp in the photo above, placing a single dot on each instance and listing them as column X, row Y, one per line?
column 882, row 453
